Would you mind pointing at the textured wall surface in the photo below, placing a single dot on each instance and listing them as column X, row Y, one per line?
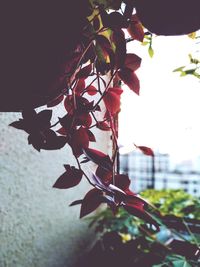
column 37, row 228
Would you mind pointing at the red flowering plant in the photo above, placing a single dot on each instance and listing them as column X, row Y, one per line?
column 92, row 76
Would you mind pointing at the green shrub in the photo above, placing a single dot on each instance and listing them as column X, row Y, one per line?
column 146, row 246
column 174, row 202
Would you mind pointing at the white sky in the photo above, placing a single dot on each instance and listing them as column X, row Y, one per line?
column 166, row 115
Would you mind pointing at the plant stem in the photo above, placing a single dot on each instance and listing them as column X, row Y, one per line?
column 99, row 87
column 94, row 117
column 53, row 125
column 88, row 179
column 190, row 232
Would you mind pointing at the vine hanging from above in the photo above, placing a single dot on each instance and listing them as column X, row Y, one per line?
column 91, row 76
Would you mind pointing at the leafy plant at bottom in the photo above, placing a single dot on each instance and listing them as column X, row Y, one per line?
column 147, row 246
column 174, row 202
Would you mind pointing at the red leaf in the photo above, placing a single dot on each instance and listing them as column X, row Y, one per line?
column 91, row 202
column 130, row 79
column 135, row 29
column 62, row 131
column 104, row 43
column 29, row 114
column 91, row 136
column 43, row 118
column 103, row 125
column 116, row 90
column 118, row 192
column 112, row 102
column 68, row 103
column 54, row 142
column 80, row 87
column 68, row 179
column 82, row 104
column 99, row 158
column 93, row 153
column 79, row 140
column 119, row 41
column 91, row 90
column 122, row 181
column 29, row 123
column 84, row 120
column 56, row 101
column 67, row 121
column 18, row 124
column 47, row 140
column 146, row 150
column 104, row 175
column 132, row 62
column 130, row 193
column 112, row 99
column 76, row 202
column 134, row 199
column 138, row 211
column 84, row 72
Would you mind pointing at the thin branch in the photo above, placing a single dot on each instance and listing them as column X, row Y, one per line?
column 190, row 232
column 56, row 123
column 98, row 81
column 85, row 91
column 94, row 117
column 79, row 166
column 92, row 126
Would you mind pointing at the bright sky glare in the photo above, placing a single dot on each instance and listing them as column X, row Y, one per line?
column 166, row 115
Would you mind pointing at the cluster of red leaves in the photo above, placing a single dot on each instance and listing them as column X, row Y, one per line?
column 109, row 189
column 101, row 51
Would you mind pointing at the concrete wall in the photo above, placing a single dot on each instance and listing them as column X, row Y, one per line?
column 37, row 228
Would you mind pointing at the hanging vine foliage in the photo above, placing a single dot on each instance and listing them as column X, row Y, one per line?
column 91, row 78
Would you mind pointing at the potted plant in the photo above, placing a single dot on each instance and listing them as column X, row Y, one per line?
column 59, row 54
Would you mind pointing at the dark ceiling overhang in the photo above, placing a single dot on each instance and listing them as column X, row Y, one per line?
column 169, row 17
column 36, row 36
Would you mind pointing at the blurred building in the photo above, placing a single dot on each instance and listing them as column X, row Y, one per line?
column 155, row 172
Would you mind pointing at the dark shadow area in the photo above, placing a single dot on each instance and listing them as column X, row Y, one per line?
column 35, row 39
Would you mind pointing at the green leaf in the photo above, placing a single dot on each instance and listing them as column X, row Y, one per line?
column 145, row 43
column 163, row 235
column 100, row 53
column 190, row 57
column 179, row 69
column 178, row 261
column 183, row 73
column 196, row 75
column 181, row 263
column 113, row 4
column 190, row 71
column 174, row 202
column 151, row 51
